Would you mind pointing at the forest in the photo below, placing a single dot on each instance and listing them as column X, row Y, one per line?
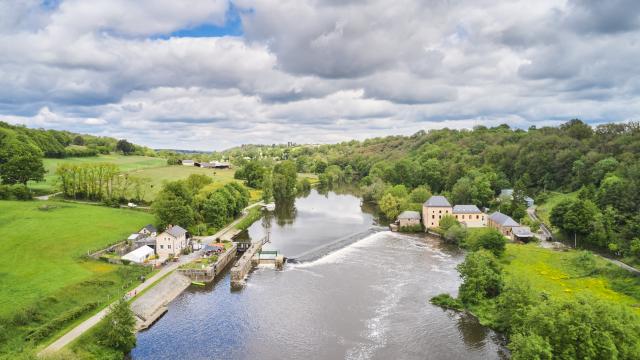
column 602, row 163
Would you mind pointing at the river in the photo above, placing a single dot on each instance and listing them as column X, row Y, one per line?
column 357, row 291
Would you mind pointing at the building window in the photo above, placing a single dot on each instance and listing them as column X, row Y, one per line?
column 168, row 246
column 433, row 217
column 431, row 224
column 477, row 217
column 446, row 211
column 439, row 216
column 161, row 246
column 440, row 211
column 462, row 217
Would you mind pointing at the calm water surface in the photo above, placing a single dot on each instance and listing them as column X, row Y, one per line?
column 357, row 292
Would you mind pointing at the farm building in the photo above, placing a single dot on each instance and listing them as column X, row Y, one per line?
column 502, row 223
column 139, row 255
column 521, row 233
column 188, row 162
column 134, row 237
column 434, row 209
column 409, row 218
column 469, row 215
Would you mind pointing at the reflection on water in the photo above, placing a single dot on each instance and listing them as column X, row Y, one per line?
column 360, row 292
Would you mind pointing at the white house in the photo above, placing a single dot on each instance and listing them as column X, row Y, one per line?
column 139, row 255
column 171, row 242
column 188, row 162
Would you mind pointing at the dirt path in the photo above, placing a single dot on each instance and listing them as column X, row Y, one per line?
column 46, row 197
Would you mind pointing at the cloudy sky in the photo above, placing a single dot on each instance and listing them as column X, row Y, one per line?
column 210, row 74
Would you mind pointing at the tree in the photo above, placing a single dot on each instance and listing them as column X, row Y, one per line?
column 530, row 347
column 390, row 206
column 489, row 239
column 172, row 209
column 22, row 168
column 78, row 140
column 125, row 147
column 118, row 331
column 481, row 277
column 284, row 181
column 420, row 194
column 448, row 221
column 253, row 172
column 574, row 216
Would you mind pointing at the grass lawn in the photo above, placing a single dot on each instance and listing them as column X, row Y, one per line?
column 126, row 163
column 40, row 250
column 544, row 210
column 159, row 175
column 555, row 273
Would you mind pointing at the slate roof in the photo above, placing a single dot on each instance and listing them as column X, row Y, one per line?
column 150, row 228
column 522, row 231
column 176, row 231
column 466, row 209
column 502, row 219
column 437, row 201
column 409, row 215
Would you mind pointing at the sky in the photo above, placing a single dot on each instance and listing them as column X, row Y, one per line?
column 212, row 74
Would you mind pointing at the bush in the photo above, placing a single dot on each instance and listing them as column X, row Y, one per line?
column 447, row 302
column 489, row 239
column 448, row 221
column 411, row 228
column 17, row 192
column 456, row 234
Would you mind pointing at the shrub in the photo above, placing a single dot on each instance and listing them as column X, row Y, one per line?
column 21, row 192
column 411, row 228
column 489, row 239
column 448, row 221
column 447, row 302
column 455, row 234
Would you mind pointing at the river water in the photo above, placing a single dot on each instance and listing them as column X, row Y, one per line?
column 357, row 291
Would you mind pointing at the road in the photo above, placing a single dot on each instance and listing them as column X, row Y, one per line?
column 545, row 231
column 92, row 321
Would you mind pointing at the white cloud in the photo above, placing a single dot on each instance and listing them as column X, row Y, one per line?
column 314, row 70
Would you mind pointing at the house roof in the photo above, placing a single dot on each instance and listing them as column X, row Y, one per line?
column 502, row 219
column 522, row 231
column 187, row 161
column 150, row 228
column 409, row 215
column 213, row 247
column 135, row 236
column 509, row 194
column 437, row 201
column 147, row 240
column 466, row 209
column 176, row 231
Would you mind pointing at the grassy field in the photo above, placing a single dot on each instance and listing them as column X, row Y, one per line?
column 159, row 175
column 126, row 163
column 544, row 210
column 555, row 273
column 40, row 250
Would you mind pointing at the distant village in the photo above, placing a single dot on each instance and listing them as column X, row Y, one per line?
column 469, row 216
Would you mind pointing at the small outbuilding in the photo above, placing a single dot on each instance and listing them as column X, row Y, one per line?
column 521, row 233
column 149, row 230
column 409, row 218
column 139, row 255
column 134, row 237
column 188, row 162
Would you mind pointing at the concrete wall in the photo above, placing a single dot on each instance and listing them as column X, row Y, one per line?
column 242, row 267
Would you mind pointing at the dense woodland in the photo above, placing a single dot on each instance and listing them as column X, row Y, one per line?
column 472, row 166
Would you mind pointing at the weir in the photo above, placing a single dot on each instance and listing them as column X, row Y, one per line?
column 242, row 267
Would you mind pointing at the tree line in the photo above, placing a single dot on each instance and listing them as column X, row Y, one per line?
column 278, row 181
column 101, row 182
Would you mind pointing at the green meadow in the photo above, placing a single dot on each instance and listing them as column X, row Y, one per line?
column 557, row 274
column 160, row 175
column 47, row 282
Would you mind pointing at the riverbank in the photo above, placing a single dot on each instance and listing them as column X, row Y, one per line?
column 528, row 281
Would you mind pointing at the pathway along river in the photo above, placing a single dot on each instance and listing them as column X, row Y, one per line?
column 358, row 292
